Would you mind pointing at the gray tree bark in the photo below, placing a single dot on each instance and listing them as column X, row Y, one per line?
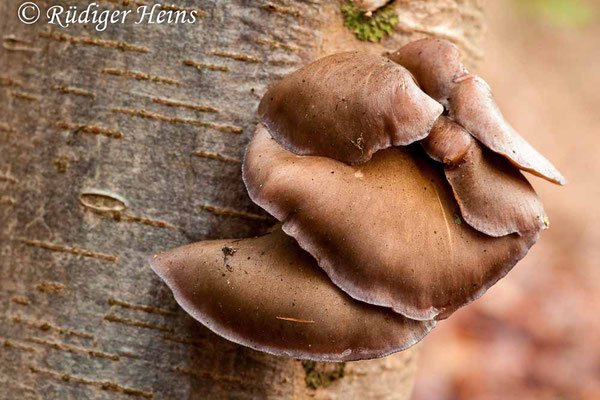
column 118, row 144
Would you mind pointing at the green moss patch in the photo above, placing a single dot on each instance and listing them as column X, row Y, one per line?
column 322, row 374
column 370, row 28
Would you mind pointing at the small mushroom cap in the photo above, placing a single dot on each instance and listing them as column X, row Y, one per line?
column 386, row 232
column 447, row 142
column 473, row 107
column 268, row 294
column 494, row 197
column 347, row 106
column 435, row 63
column 437, row 66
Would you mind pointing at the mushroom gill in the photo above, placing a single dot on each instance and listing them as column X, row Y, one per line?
column 268, row 294
column 388, row 232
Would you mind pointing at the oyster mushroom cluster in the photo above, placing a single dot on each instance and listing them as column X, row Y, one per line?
column 396, row 181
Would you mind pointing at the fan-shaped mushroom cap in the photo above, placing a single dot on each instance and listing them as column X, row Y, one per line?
column 473, row 107
column 386, row 231
column 494, row 197
column 268, row 294
column 437, row 66
column 435, row 63
column 347, row 106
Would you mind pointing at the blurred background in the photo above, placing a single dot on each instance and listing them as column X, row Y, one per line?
column 536, row 334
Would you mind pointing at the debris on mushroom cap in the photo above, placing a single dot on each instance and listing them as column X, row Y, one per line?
column 347, row 106
column 437, row 66
column 387, row 232
column 494, row 197
column 435, row 63
column 473, row 107
column 274, row 298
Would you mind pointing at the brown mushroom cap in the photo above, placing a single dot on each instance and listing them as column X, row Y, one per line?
column 494, row 197
column 447, row 142
column 437, row 66
column 347, row 106
column 386, row 231
column 473, row 107
column 435, row 63
column 268, row 294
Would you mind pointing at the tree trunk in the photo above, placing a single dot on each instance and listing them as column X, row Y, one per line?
column 118, row 144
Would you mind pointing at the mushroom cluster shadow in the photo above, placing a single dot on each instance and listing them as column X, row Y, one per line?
column 398, row 185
